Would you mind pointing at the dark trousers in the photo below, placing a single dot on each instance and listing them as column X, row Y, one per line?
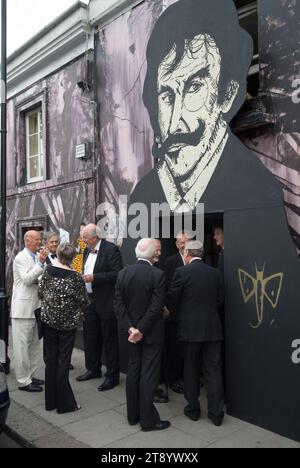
column 142, row 380
column 209, row 356
column 173, row 356
column 58, row 347
column 101, row 337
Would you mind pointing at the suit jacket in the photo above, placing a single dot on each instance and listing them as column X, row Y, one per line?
column 139, row 302
column 108, row 264
column 197, row 294
column 171, row 265
column 24, row 297
column 48, row 261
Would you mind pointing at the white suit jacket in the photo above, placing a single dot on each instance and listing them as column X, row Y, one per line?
column 24, row 297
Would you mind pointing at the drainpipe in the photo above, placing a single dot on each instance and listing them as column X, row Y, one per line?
column 3, row 135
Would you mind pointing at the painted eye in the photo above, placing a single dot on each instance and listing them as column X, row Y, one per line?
column 167, row 98
column 194, row 88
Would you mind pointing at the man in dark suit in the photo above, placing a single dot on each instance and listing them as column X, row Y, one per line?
column 139, row 303
column 174, row 358
column 102, row 262
column 196, row 294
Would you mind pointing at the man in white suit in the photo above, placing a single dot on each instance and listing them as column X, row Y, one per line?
column 28, row 267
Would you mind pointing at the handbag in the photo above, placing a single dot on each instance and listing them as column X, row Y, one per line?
column 40, row 326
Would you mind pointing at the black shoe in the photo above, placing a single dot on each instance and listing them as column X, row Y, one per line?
column 216, row 421
column 89, row 375
column 108, row 385
column 31, row 388
column 161, row 399
column 160, row 426
column 71, row 367
column 38, row 382
column 176, row 387
column 194, row 416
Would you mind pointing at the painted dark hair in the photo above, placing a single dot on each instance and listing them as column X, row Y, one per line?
column 183, row 21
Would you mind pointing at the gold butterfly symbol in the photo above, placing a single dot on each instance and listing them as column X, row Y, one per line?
column 262, row 289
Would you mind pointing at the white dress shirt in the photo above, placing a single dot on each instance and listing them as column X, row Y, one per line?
column 90, row 266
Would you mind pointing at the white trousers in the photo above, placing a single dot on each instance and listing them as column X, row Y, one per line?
column 27, row 350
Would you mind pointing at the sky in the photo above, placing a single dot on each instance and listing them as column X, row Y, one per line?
column 27, row 17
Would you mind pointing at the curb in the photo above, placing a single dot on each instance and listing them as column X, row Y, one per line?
column 16, row 437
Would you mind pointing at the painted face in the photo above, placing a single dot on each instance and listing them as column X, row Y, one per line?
column 188, row 103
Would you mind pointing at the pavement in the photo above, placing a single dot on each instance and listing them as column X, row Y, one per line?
column 101, row 423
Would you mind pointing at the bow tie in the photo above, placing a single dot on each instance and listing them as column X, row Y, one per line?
column 53, row 256
column 94, row 251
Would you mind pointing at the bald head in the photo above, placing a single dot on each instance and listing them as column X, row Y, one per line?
column 146, row 250
column 33, row 241
column 91, row 235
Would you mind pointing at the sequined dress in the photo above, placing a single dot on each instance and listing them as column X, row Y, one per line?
column 63, row 296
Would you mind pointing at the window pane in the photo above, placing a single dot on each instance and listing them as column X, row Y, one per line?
column 34, row 170
column 33, row 145
column 33, row 123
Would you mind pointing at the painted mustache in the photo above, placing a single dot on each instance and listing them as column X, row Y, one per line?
column 184, row 139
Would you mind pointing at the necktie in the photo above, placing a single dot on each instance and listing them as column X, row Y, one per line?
column 94, row 251
column 53, row 256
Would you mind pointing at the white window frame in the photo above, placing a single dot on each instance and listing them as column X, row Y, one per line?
column 40, row 177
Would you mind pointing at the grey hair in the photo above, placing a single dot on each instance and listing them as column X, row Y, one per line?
column 186, row 234
column 66, row 253
column 49, row 235
column 28, row 234
column 145, row 249
column 195, row 249
column 94, row 231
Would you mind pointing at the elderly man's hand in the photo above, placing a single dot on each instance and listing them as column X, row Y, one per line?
column 43, row 255
column 134, row 335
column 88, row 278
column 166, row 313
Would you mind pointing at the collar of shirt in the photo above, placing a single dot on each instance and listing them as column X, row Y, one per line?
column 145, row 260
column 182, row 258
column 97, row 248
column 32, row 255
column 195, row 258
column 199, row 180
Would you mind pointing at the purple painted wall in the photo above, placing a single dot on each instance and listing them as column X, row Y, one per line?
column 126, row 133
column 67, row 196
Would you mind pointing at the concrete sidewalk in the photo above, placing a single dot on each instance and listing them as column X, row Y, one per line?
column 102, row 422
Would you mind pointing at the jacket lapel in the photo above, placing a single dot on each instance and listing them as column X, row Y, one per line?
column 28, row 256
column 100, row 256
